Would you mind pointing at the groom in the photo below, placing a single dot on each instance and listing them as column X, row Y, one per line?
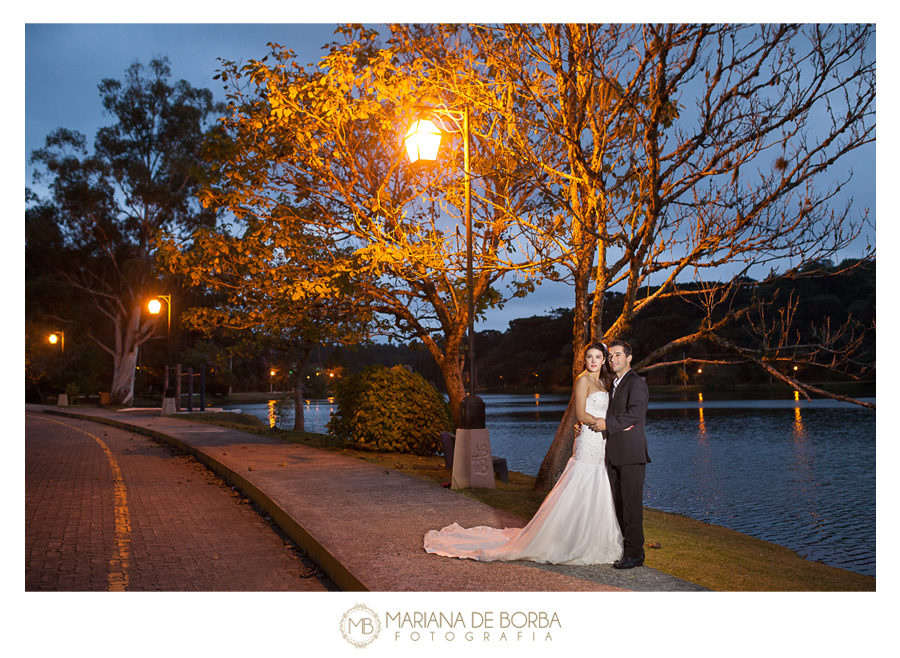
column 626, row 451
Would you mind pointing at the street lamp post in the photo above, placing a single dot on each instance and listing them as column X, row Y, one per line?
column 422, row 143
column 472, row 459
column 60, row 337
column 154, row 307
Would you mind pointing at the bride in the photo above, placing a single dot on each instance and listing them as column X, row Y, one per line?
column 576, row 523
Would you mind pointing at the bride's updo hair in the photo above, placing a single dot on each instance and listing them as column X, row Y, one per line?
column 606, row 374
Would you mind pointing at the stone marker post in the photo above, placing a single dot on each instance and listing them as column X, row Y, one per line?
column 473, row 466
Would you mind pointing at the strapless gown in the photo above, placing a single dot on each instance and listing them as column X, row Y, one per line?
column 576, row 524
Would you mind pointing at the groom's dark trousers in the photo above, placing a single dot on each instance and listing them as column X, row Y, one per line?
column 627, row 458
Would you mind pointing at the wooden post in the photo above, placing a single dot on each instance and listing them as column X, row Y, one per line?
column 190, row 375
column 178, row 387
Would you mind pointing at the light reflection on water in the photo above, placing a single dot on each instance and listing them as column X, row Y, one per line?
column 797, row 473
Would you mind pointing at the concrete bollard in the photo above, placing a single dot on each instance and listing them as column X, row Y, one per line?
column 168, row 403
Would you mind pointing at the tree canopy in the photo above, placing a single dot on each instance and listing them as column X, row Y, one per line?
column 321, row 150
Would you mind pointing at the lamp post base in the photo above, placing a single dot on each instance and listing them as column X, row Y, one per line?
column 471, row 413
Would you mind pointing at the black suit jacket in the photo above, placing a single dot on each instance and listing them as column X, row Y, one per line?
column 628, row 408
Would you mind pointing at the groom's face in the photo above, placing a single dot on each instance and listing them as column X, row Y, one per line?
column 618, row 361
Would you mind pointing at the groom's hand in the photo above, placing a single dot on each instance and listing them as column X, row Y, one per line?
column 578, row 428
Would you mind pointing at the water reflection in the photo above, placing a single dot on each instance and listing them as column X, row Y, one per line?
column 273, row 414
column 799, row 428
column 701, row 434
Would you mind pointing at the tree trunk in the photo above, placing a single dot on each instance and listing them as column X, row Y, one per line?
column 454, row 383
column 122, row 392
column 299, row 417
column 125, row 358
column 560, row 450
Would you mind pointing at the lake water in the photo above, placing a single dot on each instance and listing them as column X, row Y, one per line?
column 797, row 473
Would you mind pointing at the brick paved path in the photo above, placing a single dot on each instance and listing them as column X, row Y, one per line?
column 106, row 509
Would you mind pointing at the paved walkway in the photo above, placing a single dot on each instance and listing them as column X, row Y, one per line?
column 107, row 509
column 363, row 524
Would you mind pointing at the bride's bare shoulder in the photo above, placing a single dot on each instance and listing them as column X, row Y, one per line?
column 586, row 385
column 581, row 382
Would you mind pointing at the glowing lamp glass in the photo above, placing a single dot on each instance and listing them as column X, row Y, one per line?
column 53, row 338
column 422, row 140
column 154, row 306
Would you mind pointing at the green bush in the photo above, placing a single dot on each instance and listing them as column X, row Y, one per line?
column 389, row 410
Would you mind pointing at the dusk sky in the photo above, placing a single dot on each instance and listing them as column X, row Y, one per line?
column 64, row 63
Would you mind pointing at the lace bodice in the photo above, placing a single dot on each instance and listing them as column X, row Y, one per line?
column 590, row 446
column 597, row 403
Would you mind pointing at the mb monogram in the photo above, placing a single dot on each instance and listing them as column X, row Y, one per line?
column 360, row 626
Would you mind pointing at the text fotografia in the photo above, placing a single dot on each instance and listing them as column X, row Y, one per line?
column 479, row 626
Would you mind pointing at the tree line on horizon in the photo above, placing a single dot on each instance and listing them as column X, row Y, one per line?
column 533, row 352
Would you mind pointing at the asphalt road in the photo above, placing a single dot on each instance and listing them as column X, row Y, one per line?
column 107, row 509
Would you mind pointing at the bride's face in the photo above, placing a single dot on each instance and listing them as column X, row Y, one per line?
column 593, row 360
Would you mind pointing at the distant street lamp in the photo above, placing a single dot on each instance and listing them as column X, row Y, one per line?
column 154, row 307
column 422, row 143
column 58, row 337
column 54, row 338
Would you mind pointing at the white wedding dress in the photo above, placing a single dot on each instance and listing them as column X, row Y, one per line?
column 576, row 523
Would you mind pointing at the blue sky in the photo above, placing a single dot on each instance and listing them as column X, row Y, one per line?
column 64, row 63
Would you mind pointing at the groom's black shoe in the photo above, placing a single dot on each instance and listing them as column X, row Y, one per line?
column 629, row 563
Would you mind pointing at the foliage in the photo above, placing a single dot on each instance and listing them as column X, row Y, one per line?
column 280, row 285
column 390, row 410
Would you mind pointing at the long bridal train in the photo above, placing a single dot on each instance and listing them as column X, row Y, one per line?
column 576, row 524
